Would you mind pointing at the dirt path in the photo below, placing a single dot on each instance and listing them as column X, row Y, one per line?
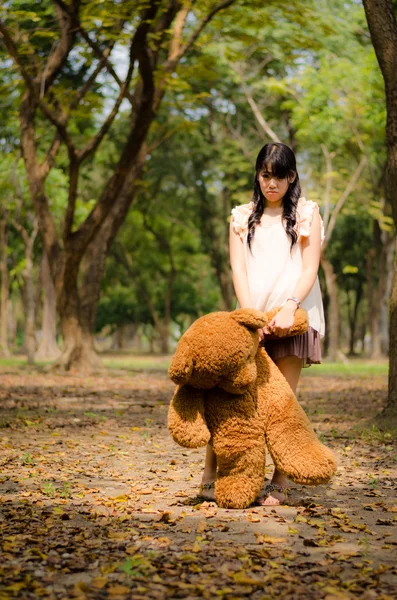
column 98, row 502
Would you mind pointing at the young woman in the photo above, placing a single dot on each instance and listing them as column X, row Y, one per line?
column 275, row 245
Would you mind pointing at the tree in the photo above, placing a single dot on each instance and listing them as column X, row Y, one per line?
column 57, row 123
column 4, row 351
column 382, row 23
column 48, row 347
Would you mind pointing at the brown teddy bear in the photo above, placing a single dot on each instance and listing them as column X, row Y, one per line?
column 231, row 394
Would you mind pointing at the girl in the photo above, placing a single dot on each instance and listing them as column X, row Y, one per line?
column 274, row 254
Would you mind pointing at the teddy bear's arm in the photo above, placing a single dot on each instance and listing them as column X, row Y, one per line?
column 186, row 418
column 295, row 449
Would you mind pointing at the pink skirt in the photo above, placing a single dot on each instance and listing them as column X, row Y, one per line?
column 306, row 346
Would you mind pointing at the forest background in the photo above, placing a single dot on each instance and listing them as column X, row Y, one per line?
column 128, row 132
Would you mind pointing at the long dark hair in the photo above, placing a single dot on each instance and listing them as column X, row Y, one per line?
column 281, row 162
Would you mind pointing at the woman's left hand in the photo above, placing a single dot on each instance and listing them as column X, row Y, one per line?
column 282, row 322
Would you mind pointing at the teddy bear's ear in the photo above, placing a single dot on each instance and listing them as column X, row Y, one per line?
column 250, row 317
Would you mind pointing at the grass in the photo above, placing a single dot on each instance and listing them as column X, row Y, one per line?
column 151, row 362
column 355, row 367
column 123, row 362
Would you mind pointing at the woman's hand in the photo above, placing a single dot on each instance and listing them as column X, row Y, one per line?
column 282, row 322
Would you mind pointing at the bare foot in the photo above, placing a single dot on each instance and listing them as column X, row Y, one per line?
column 272, row 495
column 207, row 490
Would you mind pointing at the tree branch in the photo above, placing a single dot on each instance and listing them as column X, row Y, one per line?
column 49, row 159
column 105, row 60
column 12, row 49
column 179, row 49
column 92, row 78
column 93, row 144
column 55, row 62
column 328, row 186
column 254, row 107
column 72, row 196
column 176, row 41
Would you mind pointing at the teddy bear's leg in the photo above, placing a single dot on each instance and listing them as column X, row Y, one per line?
column 291, row 441
column 240, row 477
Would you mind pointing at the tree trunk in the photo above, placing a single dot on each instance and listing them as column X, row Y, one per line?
column 93, row 266
column 333, row 309
column 391, row 408
column 379, row 262
column 383, row 29
column 120, row 337
column 4, row 350
column 48, row 347
column 384, row 307
column 370, row 293
column 353, row 314
column 78, row 351
column 164, row 333
column 30, row 338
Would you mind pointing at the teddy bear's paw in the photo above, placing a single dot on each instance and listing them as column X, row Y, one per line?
column 316, row 467
column 236, row 492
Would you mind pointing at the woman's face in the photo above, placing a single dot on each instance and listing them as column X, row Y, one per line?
column 273, row 188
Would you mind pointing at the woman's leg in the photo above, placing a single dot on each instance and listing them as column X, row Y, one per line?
column 291, row 367
column 209, row 473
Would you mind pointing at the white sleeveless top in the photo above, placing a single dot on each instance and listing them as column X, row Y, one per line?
column 272, row 269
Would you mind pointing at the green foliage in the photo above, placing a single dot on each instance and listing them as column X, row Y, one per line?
column 312, row 71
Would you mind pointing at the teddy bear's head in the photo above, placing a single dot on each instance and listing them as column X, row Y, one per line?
column 219, row 350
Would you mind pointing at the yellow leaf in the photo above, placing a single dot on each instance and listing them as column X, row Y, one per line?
column 292, row 530
column 300, row 519
column 164, row 540
column 118, row 590
column 99, row 582
column 15, row 587
column 201, row 527
column 135, row 428
column 253, row 519
column 121, row 498
column 243, row 579
column 196, row 547
column 10, row 547
column 188, row 558
column 334, row 592
column 267, row 539
column 108, row 569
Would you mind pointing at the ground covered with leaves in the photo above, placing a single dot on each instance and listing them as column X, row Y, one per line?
column 98, row 502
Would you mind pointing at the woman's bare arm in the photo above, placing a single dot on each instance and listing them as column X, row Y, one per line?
column 239, row 270
column 311, row 249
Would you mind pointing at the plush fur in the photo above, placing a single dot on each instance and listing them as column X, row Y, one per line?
column 230, row 394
